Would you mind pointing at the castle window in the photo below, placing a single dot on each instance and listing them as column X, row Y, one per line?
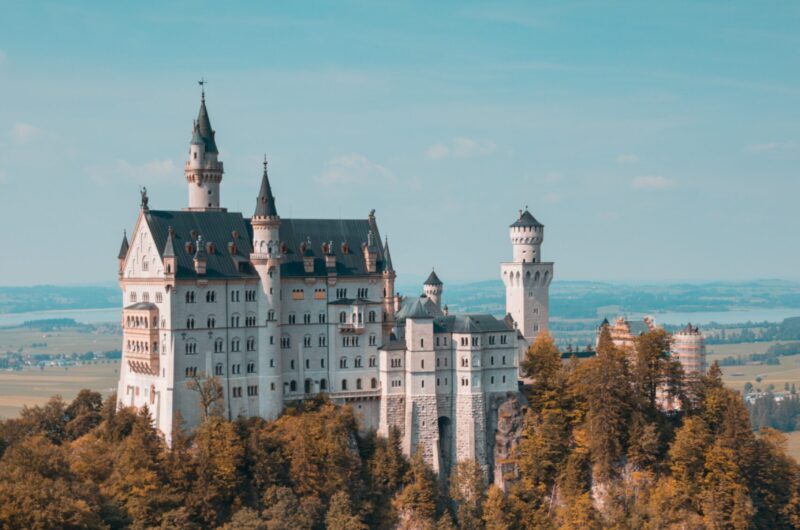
column 235, row 345
column 189, row 297
column 437, row 341
column 372, row 361
column 438, row 381
column 322, row 340
column 218, row 346
column 373, row 340
column 307, row 318
column 504, row 359
column 132, row 297
column 236, row 368
column 341, row 293
column 373, row 383
column 475, row 341
column 211, row 322
column 422, row 383
column 211, row 296
column 145, row 264
column 270, row 315
column 190, row 323
column 322, row 363
column 272, row 386
column 293, row 386
column 503, row 339
column 491, row 360
column 371, row 317
column 445, row 341
column 252, row 390
column 491, row 340
column 307, row 341
column 191, row 371
column 357, row 362
column 322, row 318
column 358, row 384
column 492, row 379
column 504, row 379
column 218, row 369
column 272, row 339
column 145, row 297
column 292, row 318
column 234, row 296
column 298, row 294
column 272, row 363
column 422, row 364
column 235, row 321
column 464, row 362
column 237, row 391
column 437, row 362
column 343, row 362
column 319, row 294
column 285, row 342
column 421, row 343
column 190, row 347
column 251, row 344
column 251, row 367
column 342, row 317
column 344, row 384
column 159, row 298
column 291, row 364
column 308, row 364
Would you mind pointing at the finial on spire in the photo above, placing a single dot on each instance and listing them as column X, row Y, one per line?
column 265, row 162
column 202, row 84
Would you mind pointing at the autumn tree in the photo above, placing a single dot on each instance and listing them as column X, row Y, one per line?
column 467, row 490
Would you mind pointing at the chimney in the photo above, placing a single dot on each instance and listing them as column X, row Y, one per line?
column 330, row 257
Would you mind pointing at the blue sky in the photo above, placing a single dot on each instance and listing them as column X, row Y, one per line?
column 656, row 141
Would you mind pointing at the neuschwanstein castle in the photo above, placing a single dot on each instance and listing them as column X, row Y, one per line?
column 282, row 309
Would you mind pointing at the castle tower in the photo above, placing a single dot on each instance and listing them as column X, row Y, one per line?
column 389, row 276
column 203, row 170
column 433, row 289
column 689, row 347
column 527, row 278
column 266, row 258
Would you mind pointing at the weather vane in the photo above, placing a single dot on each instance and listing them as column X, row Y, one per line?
column 202, row 84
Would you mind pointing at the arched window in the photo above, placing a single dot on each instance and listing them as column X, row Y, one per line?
column 342, row 317
column 190, row 323
column 372, row 362
column 293, row 386
column 358, row 384
column 343, row 362
column 373, row 383
column 371, row 316
column 357, row 362
column 323, row 384
column 218, row 369
column 344, row 384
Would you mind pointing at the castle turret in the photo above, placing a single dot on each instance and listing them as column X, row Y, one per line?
column 433, row 289
column 123, row 252
column 527, row 278
column 203, row 170
column 389, row 276
column 689, row 348
column 266, row 259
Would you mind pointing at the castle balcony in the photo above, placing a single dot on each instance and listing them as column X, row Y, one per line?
column 140, row 337
column 355, row 395
column 350, row 328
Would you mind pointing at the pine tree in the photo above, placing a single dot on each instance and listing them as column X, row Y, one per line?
column 416, row 503
column 542, row 364
column 467, row 490
column 724, row 497
column 340, row 514
column 609, row 397
column 496, row 511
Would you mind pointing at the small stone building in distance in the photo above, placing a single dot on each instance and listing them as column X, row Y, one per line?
column 280, row 310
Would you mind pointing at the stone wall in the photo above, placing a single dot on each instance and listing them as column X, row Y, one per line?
column 392, row 414
column 422, row 429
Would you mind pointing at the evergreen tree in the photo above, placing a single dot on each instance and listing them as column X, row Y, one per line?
column 416, row 503
column 467, row 490
column 496, row 511
column 340, row 514
column 724, row 498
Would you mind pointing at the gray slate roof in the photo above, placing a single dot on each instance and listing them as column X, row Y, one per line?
column 218, row 227
column 421, row 307
column 433, row 279
column 123, row 248
column 203, row 127
column 265, row 202
column 387, row 257
column 214, row 226
column 470, row 323
column 354, row 232
column 638, row 327
column 526, row 219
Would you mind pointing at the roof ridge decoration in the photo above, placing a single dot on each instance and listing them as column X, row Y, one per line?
column 169, row 248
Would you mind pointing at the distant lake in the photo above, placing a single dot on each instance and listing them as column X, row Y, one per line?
column 86, row 316
column 724, row 317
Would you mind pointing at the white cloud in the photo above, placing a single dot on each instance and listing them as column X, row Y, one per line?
column 346, row 169
column 152, row 171
column 460, row 148
column 627, row 159
column 770, row 146
column 24, row 133
column 652, row 182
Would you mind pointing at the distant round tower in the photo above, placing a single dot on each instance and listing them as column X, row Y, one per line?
column 266, row 258
column 203, row 170
column 689, row 347
column 433, row 289
column 527, row 278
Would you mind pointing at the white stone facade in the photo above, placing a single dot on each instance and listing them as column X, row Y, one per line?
column 279, row 310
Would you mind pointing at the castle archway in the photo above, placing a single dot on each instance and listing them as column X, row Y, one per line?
column 445, row 443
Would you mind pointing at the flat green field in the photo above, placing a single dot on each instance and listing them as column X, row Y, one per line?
column 736, row 376
column 33, row 386
column 56, row 342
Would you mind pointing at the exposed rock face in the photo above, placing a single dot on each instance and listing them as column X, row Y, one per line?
column 510, row 415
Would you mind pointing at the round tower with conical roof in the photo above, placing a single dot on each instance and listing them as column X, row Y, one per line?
column 433, row 289
column 527, row 278
column 266, row 260
column 203, row 170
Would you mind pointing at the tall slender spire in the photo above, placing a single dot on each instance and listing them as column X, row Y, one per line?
column 203, row 127
column 387, row 257
column 123, row 249
column 265, row 204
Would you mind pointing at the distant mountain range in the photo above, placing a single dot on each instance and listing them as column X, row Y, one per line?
column 569, row 299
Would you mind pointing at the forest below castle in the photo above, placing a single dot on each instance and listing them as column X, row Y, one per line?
column 595, row 450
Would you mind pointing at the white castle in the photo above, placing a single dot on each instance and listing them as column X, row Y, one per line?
column 280, row 310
